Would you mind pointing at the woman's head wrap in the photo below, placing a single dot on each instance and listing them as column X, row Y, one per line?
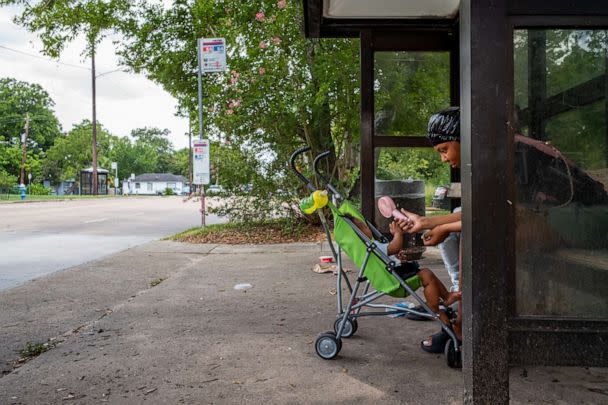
column 444, row 126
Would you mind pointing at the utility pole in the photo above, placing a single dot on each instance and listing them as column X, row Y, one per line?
column 24, row 147
column 94, row 142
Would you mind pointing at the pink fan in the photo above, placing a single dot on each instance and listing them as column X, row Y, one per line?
column 388, row 209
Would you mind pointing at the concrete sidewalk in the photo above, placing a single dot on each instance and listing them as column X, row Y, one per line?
column 193, row 338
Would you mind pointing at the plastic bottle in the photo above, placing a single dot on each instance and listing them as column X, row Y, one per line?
column 313, row 202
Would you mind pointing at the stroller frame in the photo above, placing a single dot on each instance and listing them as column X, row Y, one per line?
column 329, row 344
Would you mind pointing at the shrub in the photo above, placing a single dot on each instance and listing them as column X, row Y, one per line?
column 169, row 191
column 39, row 189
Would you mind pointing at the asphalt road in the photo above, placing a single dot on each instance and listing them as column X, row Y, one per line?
column 39, row 238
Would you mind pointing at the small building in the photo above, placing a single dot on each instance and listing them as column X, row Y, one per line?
column 155, row 184
column 65, row 187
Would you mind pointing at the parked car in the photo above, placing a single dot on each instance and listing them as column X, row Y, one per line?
column 246, row 188
column 215, row 189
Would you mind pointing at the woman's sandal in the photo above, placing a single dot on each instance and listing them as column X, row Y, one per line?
column 438, row 341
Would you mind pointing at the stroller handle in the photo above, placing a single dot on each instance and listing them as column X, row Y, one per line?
column 315, row 165
column 292, row 162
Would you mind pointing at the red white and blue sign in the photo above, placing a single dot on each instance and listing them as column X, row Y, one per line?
column 200, row 161
column 212, row 54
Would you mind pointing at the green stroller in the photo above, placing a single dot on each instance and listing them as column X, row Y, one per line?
column 378, row 274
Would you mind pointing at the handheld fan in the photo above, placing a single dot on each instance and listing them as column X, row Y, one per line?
column 388, row 209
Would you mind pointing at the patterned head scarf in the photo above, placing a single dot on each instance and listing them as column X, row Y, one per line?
column 444, row 126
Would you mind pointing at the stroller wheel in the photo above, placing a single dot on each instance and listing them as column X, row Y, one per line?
column 327, row 345
column 350, row 327
column 453, row 358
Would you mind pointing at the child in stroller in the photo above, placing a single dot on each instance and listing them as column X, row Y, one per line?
column 379, row 275
column 435, row 291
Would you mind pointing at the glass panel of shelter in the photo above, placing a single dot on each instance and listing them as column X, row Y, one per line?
column 408, row 88
column 561, row 172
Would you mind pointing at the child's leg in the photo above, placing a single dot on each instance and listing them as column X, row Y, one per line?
column 433, row 291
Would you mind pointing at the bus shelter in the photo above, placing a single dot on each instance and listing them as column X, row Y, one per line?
column 531, row 79
column 86, row 181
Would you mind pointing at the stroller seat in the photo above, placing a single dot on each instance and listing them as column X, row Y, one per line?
column 376, row 269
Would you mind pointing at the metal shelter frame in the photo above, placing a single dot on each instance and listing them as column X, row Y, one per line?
column 480, row 42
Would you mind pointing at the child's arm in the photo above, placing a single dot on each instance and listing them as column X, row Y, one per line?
column 396, row 244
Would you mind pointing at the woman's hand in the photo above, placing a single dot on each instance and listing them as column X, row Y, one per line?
column 435, row 236
column 414, row 223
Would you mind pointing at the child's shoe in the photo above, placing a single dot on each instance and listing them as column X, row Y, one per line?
column 403, row 304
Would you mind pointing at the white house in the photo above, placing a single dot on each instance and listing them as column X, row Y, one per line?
column 155, row 183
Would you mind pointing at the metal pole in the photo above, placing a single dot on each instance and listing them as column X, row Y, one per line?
column 200, row 91
column 203, row 213
column 190, row 151
column 200, row 121
column 24, row 147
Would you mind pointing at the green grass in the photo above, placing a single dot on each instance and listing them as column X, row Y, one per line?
column 242, row 227
column 17, row 198
column 34, row 349
column 207, row 230
column 156, row 282
column 436, row 213
column 280, row 230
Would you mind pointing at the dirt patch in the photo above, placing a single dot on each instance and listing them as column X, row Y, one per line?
column 266, row 233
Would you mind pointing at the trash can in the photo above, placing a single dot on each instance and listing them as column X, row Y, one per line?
column 409, row 195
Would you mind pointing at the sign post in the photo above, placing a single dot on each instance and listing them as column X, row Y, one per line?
column 115, row 167
column 200, row 170
column 211, row 58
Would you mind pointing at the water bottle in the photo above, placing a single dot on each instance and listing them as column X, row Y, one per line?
column 313, row 202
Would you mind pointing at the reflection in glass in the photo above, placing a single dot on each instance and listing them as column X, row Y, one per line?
column 561, row 165
column 408, row 88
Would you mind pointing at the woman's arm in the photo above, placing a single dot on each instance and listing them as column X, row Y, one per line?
column 416, row 223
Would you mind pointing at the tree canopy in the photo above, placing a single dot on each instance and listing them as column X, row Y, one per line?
column 282, row 90
column 58, row 22
column 19, row 100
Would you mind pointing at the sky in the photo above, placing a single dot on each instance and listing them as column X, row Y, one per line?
column 125, row 101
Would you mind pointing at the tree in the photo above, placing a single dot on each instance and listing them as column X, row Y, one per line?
column 71, row 152
column 281, row 91
column 58, row 22
column 157, row 140
column 180, row 162
column 133, row 157
column 18, row 99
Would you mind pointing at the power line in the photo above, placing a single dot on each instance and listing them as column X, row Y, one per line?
column 43, row 58
column 32, row 118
